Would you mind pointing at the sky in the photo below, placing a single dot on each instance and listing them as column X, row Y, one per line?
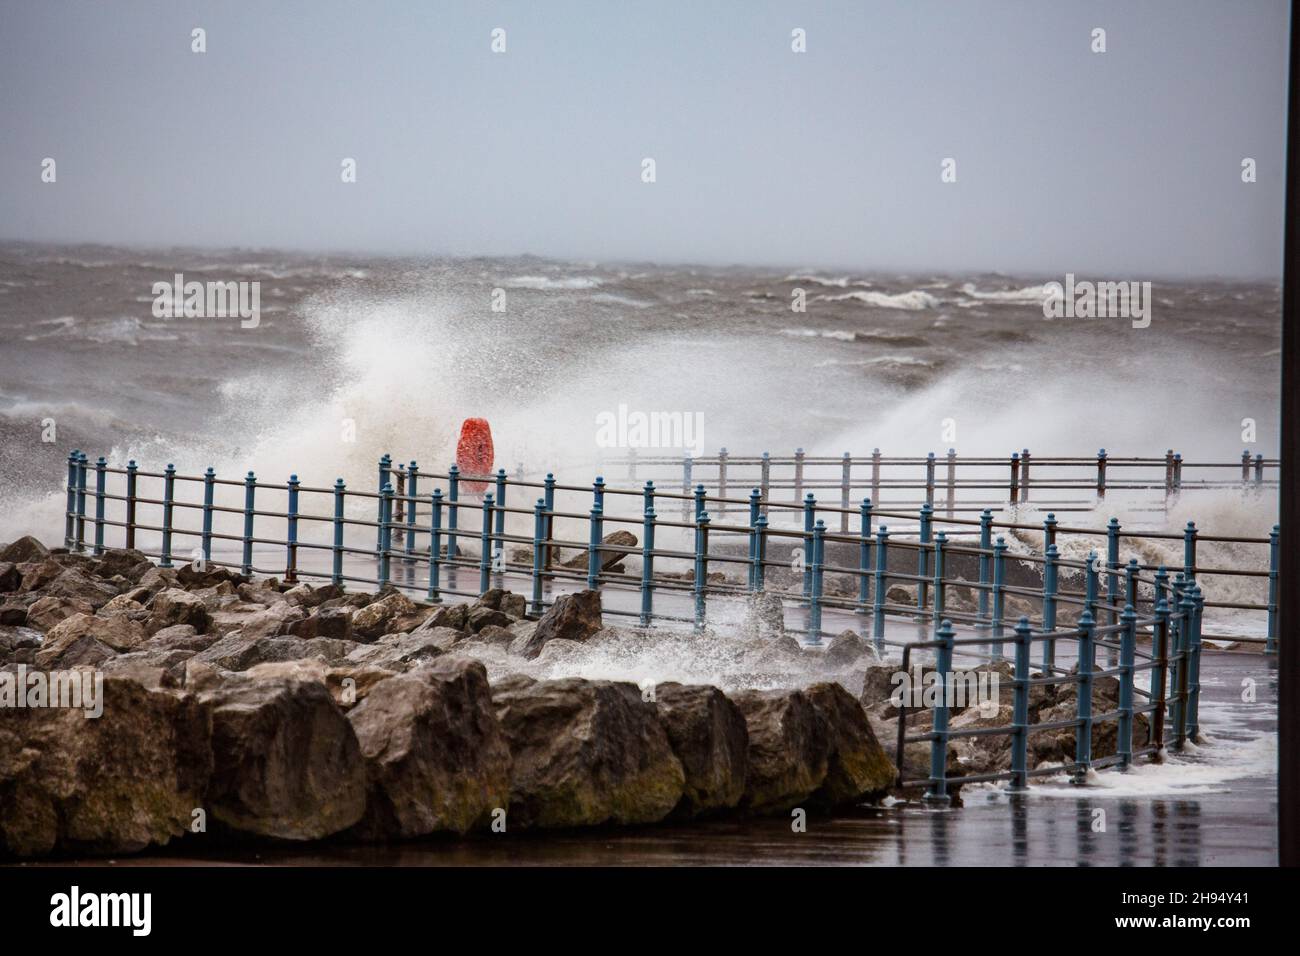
column 1067, row 160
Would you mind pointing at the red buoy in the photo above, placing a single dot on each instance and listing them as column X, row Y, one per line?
column 474, row 453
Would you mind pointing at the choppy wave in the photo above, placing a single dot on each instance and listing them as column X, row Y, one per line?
column 1028, row 295
column 914, row 300
column 548, row 284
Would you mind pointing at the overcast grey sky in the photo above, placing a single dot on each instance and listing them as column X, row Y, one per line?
column 1067, row 160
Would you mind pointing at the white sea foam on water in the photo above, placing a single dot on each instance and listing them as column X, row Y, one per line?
column 840, row 283
column 913, row 301
column 839, row 334
column 1034, row 294
column 548, row 283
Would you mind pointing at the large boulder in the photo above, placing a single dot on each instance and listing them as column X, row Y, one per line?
column 175, row 606
column 44, row 613
column 11, row 579
column 573, row 617
column 609, row 554
column 846, row 649
column 286, row 763
column 332, row 622
column 586, row 753
column 118, row 633
column 436, row 757
column 857, row 766
column 789, row 752
column 24, row 550
column 75, row 584
column 401, row 651
column 118, row 784
column 129, row 563
column 709, row 736
column 385, row 617
column 507, row 602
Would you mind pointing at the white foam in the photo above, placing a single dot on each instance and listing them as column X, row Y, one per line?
column 913, row 301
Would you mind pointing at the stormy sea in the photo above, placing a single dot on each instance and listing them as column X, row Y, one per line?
column 349, row 358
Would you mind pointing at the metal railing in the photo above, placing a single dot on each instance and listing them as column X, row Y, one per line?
column 418, row 542
column 955, row 483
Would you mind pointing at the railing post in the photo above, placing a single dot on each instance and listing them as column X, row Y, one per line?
column 131, row 469
column 1194, row 664
column 940, row 540
column 485, row 560
column 1020, row 710
column 809, row 519
column 70, row 517
column 1178, row 473
column 81, row 502
column 169, row 496
column 291, row 544
column 1160, row 674
column 881, row 587
column 1270, row 646
column 846, row 480
column 1083, row 709
column 1051, row 579
column 1186, row 608
column 815, row 602
column 701, row 574
column 647, row 564
column 765, row 480
column 1259, row 471
column 412, row 496
column 686, row 487
column 1024, row 474
column 760, row 565
column 1131, row 571
column 399, row 506
column 1014, row 490
column 985, row 564
column 501, row 504
column 1127, row 653
column 593, row 547
column 952, row 481
column 929, row 479
column 1189, row 550
column 340, row 492
column 386, row 533
column 755, row 509
column 999, row 598
column 722, row 481
column 385, row 469
column 1169, row 476
column 798, row 474
column 1245, row 468
column 539, row 528
column 1049, row 530
column 548, row 496
column 937, row 794
column 1090, row 585
column 209, row 487
column 453, row 515
column 864, row 556
column 1101, row 474
column 100, row 465
column 246, row 559
column 875, row 475
column 1112, row 567
column 435, row 547
column 922, row 560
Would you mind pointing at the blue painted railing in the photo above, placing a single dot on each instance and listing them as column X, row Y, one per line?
column 403, row 540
